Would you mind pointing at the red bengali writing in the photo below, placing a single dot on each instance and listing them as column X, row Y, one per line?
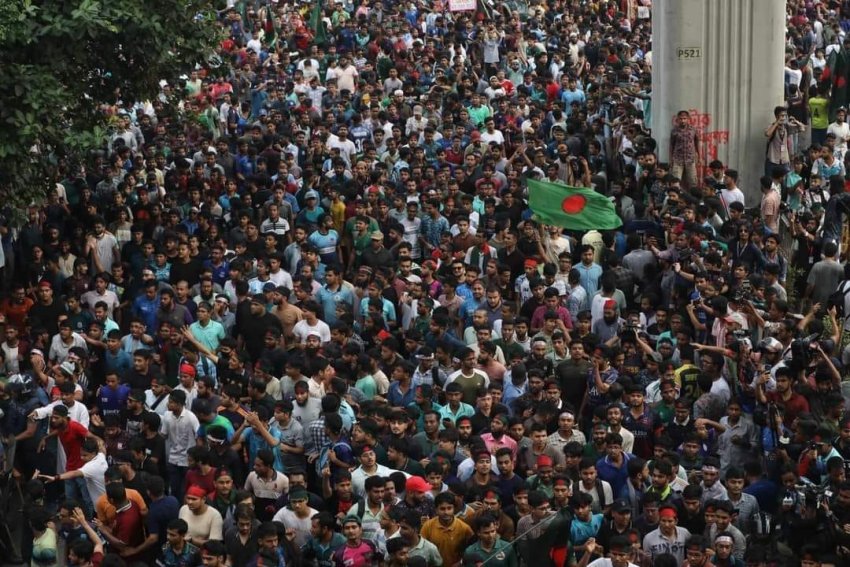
column 709, row 140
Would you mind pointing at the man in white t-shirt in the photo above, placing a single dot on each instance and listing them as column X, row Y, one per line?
column 311, row 324
column 490, row 133
column 205, row 522
column 347, row 149
column 309, row 67
column 346, row 75
column 842, row 133
column 619, row 552
column 102, row 248
column 92, row 472
column 297, row 516
column 101, row 293
column 730, row 192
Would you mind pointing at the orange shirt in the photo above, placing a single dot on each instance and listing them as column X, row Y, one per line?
column 106, row 512
column 450, row 540
column 16, row 313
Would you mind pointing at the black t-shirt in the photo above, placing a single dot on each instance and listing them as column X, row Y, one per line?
column 572, row 376
column 136, row 379
column 189, row 271
column 155, row 448
column 47, row 316
column 528, row 246
column 133, row 422
column 254, row 330
column 529, row 307
column 139, row 484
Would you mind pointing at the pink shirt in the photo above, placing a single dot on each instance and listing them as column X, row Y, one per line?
column 494, row 445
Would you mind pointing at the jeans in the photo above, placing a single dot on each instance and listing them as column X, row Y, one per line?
column 176, row 477
column 76, row 489
column 769, row 166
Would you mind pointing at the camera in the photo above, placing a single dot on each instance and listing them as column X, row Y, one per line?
column 743, row 291
column 812, row 494
column 801, row 352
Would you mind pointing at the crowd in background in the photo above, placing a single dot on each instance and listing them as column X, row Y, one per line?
column 297, row 310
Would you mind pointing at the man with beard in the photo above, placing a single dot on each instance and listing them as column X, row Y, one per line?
column 615, row 419
column 273, row 355
column 572, row 375
column 252, row 330
column 469, row 378
column 306, row 408
column 497, row 438
column 537, row 359
column 415, row 489
column 608, row 327
column 534, row 395
column 102, row 247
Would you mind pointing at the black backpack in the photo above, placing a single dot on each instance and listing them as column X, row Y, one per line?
column 837, row 298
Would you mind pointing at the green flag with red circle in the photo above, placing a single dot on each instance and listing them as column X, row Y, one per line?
column 573, row 208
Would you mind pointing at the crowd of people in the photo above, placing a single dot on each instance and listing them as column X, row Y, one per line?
column 297, row 310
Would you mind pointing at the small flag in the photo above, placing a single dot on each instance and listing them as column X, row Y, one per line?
column 317, row 24
column 270, row 28
column 573, row 208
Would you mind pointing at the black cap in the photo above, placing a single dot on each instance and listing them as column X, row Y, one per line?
column 621, row 506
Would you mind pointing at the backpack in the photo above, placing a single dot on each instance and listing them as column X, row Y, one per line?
column 323, row 455
column 360, row 504
column 838, row 297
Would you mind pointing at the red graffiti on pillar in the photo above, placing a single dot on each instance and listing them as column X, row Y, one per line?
column 709, row 140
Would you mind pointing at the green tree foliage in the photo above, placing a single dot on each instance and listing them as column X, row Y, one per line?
column 64, row 62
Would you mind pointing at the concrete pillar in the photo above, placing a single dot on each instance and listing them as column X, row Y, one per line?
column 723, row 61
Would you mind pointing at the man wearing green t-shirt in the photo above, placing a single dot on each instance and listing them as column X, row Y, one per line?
column 490, row 547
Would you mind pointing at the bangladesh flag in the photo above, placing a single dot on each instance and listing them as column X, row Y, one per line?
column 837, row 72
column 573, row 208
column 317, row 25
column 270, row 28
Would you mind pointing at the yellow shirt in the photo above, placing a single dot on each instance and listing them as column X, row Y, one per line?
column 820, row 114
column 450, row 541
column 338, row 215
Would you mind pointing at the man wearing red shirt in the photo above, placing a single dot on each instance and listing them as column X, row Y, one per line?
column 127, row 532
column 791, row 403
column 15, row 308
column 71, row 435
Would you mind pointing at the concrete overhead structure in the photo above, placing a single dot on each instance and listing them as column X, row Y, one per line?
column 722, row 60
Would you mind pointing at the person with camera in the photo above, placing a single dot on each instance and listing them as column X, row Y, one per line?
column 792, row 403
column 813, row 460
column 779, row 135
